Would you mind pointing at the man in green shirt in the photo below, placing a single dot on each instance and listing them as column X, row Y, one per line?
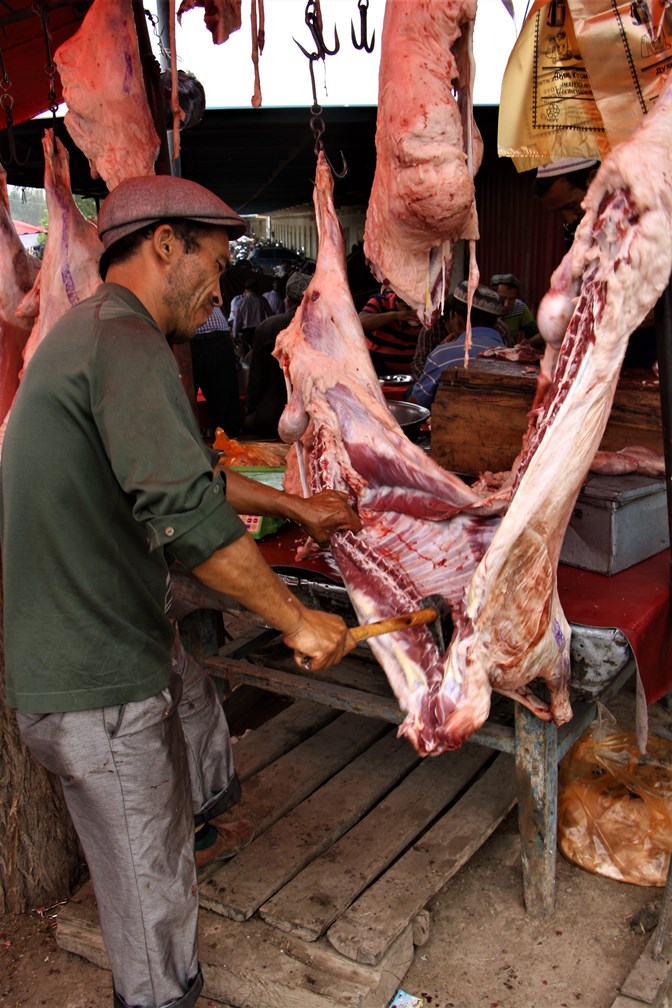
column 105, row 481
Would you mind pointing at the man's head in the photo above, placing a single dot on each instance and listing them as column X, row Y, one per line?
column 167, row 239
column 562, row 186
column 508, row 288
column 486, row 306
column 296, row 286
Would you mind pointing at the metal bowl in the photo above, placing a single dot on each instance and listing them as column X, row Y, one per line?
column 410, row 417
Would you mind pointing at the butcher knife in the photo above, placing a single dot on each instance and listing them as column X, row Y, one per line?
column 433, row 614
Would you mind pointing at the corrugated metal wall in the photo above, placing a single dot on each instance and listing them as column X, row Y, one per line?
column 518, row 234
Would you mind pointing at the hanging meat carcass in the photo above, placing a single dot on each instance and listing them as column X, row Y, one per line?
column 222, row 17
column 108, row 115
column 424, row 529
column 427, row 151
column 17, row 276
column 69, row 270
column 512, row 629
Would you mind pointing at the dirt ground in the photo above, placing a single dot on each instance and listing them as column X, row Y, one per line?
column 482, row 951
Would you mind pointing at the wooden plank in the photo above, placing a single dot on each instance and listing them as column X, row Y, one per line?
column 310, row 828
column 323, row 890
column 369, row 926
column 259, row 748
column 650, row 978
column 251, row 964
column 270, row 794
column 295, row 685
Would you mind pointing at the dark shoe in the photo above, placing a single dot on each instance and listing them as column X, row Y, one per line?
column 231, row 838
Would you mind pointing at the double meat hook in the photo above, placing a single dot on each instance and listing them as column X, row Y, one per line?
column 362, row 43
column 313, row 18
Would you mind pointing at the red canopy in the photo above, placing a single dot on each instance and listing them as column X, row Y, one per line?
column 25, row 53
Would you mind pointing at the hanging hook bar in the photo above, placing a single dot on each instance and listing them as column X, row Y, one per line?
column 362, row 43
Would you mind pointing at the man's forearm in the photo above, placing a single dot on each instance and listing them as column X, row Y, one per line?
column 239, row 570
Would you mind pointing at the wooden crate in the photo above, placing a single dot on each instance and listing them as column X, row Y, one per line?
column 479, row 415
column 354, row 836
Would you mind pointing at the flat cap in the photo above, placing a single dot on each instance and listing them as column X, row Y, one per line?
column 138, row 202
column 485, row 298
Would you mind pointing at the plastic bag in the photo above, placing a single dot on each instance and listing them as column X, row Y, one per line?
column 580, row 77
column 615, row 808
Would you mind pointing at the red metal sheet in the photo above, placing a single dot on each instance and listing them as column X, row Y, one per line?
column 24, row 52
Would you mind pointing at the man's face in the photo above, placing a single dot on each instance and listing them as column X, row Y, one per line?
column 565, row 199
column 508, row 296
column 192, row 283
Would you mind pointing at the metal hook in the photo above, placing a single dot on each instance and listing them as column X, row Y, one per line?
column 313, row 19
column 344, row 170
column 7, row 103
column 363, row 6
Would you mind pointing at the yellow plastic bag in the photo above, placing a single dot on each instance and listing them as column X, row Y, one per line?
column 615, row 808
column 580, row 77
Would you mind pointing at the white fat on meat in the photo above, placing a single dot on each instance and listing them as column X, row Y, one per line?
column 18, row 271
column 424, row 529
column 70, row 264
column 513, row 629
column 427, row 150
column 108, row 114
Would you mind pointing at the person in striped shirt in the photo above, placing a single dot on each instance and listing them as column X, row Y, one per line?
column 391, row 330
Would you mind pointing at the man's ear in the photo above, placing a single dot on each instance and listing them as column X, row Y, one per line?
column 163, row 241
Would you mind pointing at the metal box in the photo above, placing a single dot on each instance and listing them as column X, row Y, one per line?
column 617, row 521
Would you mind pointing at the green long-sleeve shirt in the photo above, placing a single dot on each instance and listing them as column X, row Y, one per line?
column 103, row 478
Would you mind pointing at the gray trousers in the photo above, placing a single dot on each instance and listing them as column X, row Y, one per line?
column 134, row 777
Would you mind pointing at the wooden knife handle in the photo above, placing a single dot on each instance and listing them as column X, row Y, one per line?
column 401, row 622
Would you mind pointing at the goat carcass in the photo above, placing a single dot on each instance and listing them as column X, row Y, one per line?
column 512, row 629
column 108, row 115
column 427, row 151
column 70, row 265
column 424, row 529
column 18, row 273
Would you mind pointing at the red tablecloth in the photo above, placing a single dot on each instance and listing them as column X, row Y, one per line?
column 636, row 601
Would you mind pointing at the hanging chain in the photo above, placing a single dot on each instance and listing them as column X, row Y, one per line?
column 49, row 66
column 313, row 19
column 6, row 100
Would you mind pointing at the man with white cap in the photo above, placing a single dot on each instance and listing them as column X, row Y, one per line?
column 105, row 480
column 562, row 185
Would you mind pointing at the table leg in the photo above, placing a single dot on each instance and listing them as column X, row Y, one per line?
column 536, row 756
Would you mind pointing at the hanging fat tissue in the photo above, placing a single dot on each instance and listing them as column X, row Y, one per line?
column 424, row 531
column 108, row 115
column 428, row 150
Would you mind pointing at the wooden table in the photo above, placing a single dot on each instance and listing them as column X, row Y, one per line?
column 537, row 746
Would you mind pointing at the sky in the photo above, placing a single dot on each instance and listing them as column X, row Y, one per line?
column 349, row 78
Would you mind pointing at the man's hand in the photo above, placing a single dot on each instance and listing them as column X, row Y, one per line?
column 325, row 513
column 320, row 515
column 320, row 637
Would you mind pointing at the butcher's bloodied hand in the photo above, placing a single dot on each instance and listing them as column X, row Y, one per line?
column 321, row 639
column 325, row 513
